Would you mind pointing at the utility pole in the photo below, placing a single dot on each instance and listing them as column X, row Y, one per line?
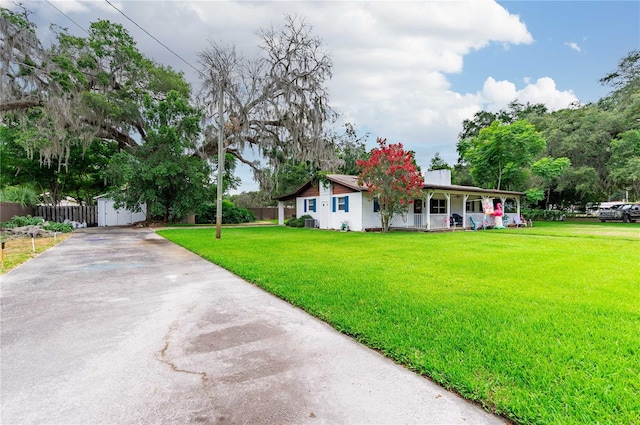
column 220, row 160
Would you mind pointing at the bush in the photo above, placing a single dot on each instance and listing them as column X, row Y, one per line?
column 21, row 221
column 24, row 195
column 298, row 222
column 58, row 227
column 231, row 214
column 543, row 215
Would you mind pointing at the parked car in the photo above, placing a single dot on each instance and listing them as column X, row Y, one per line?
column 625, row 212
column 630, row 213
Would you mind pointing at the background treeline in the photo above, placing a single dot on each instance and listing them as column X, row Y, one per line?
column 92, row 115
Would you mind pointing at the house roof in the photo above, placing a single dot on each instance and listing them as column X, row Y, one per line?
column 343, row 179
column 348, row 181
column 352, row 183
column 458, row 188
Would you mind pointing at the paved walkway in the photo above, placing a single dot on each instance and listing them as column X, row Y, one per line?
column 120, row 326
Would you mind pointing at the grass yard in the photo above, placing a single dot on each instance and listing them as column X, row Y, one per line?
column 541, row 325
column 19, row 250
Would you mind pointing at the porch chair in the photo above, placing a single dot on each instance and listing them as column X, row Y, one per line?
column 475, row 225
column 519, row 221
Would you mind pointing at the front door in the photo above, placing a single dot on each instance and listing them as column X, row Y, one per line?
column 324, row 214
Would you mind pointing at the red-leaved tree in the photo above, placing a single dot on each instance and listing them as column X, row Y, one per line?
column 392, row 178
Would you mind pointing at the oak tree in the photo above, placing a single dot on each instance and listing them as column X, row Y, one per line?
column 274, row 106
column 163, row 172
column 500, row 153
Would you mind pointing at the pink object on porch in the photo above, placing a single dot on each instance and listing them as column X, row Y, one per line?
column 498, row 211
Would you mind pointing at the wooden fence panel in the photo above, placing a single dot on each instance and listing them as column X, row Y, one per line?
column 271, row 213
column 10, row 209
column 88, row 214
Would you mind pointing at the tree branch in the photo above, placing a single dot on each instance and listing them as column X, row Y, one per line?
column 20, row 104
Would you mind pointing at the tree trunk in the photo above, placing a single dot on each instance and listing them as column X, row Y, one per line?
column 384, row 221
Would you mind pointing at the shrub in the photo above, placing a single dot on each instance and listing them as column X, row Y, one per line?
column 231, row 214
column 21, row 221
column 58, row 227
column 24, row 195
column 543, row 215
column 298, row 222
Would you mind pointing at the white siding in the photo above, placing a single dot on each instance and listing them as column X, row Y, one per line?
column 370, row 219
column 353, row 217
column 108, row 215
column 300, row 207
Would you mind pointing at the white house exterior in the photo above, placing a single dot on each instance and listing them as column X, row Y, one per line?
column 340, row 200
column 108, row 215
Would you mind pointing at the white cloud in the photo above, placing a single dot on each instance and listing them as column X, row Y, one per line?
column 497, row 94
column 573, row 46
column 391, row 59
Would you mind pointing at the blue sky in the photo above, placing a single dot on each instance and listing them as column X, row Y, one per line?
column 410, row 71
column 604, row 32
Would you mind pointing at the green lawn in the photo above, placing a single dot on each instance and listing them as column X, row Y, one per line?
column 541, row 325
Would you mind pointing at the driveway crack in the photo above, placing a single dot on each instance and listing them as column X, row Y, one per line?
column 163, row 355
column 164, row 359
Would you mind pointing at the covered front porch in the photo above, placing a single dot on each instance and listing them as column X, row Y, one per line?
column 442, row 209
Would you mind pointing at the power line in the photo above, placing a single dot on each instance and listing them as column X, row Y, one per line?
column 66, row 16
column 158, row 41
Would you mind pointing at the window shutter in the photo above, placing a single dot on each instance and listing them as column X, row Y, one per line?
column 315, row 202
column 305, row 205
column 333, row 204
column 346, row 204
column 376, row 205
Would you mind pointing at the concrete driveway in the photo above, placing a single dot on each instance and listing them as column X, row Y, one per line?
column 120, row 326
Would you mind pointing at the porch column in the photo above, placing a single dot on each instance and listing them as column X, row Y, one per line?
column 465, row 198
column 504, row 202
column 280, row 213
column 518, row 206
column 447, row 218
column 429, row 196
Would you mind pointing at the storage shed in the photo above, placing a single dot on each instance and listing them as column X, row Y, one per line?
column 108, row 215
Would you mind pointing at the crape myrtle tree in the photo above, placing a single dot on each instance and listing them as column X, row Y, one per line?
column 274, row 106
column 392, row 179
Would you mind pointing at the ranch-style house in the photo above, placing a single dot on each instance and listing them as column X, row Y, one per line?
column 340, row 202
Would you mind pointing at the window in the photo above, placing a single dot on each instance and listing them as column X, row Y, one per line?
column 473, row 206
column 376, row 205
column 340, row 203
column 438, row 206
column 309, row 205
column 417, row 206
